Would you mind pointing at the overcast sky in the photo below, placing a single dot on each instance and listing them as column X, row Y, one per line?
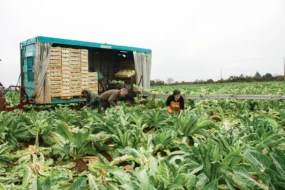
column 190, row 39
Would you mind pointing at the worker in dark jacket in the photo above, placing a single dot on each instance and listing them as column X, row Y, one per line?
column 92, row 100
column 110, row 97
column 2, row 101
column 175, row 102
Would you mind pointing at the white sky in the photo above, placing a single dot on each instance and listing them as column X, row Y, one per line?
column 190, row 39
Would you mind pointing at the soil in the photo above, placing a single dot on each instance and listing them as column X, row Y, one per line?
column 80, row 165
column 128, row 168
column 191, row 142
column 90, row 159
column 174, row 149
column 161, row 153
column 147, row 129
column 107, row 156
column 26, row 144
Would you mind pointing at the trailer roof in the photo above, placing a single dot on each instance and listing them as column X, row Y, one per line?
column 44, row 39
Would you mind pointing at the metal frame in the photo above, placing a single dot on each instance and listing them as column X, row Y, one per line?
column 44, row 39
column 218, row 96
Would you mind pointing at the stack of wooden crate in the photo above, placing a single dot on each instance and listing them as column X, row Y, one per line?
column 65, row 72
column 75, row 75
column 54, row 71
column 93, row 82
column 84, row 69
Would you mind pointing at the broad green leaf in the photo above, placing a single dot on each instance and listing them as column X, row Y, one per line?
column 2, row 187
column 164, row 172
column 191, row 182
column 232, row 159
column 46, row 184
column 122, row 176
column 174, row 187
column 258, row 161
column 79, row 184
column 278, row 158
column 216, row 153
column 36, row 184
column 129, row 186
column 212, row 186
column 26, row 176
column 142, row 176
column 250, row 182
column 92, row 182
column 181, row 179
column 202, row 180
column 196, row 170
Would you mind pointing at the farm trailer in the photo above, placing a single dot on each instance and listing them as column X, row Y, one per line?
column 106, row 58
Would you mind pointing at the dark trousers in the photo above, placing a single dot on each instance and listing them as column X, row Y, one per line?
column 105, row 104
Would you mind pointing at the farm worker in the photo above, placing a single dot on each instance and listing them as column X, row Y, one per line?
column 92, row 100
column 110, row 97
column 2, row 101
column 175, row 102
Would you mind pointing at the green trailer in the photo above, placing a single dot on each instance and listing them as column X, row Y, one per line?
column 106, row 59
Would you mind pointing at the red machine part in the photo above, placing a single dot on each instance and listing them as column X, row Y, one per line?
column 23, row 102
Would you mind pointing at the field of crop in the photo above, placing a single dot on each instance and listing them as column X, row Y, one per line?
column 269, row 88
column 215, row 144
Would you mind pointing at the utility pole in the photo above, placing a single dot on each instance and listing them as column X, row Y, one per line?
column 221, row 73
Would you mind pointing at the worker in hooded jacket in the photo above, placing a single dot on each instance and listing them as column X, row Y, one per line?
column 175, row 102
column 92, row 100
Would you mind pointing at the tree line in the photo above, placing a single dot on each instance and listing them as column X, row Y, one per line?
column 257, row 77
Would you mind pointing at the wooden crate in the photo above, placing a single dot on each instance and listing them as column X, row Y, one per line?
column 75, row 51
column 51, row 78
column 75, row 63
column 55, row 53
column 55, row 90
column 84, row 56
column 84, row 83
column 57, row 82
column 93, row 80
column 54, row 73
column 55, row 57
column 84, row 60
column 65, row 69
column 75, row 82
column 54, row 95
column 65, row 59
column 75, row 70
column 72, row 74
column 93, row 74
column 56, row 64
column 65, row 83
column 53, row 49
column 55, row 68
column 65, row 50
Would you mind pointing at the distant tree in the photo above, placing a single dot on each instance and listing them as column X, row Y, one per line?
column 241, row 75
column 257, row 75
column 210, row 81
column 170, row 81
column 269, row 75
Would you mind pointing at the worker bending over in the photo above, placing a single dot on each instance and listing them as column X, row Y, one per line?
column 2, row 101
column 175, row 102
column 92, row 100
column 111, row 97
